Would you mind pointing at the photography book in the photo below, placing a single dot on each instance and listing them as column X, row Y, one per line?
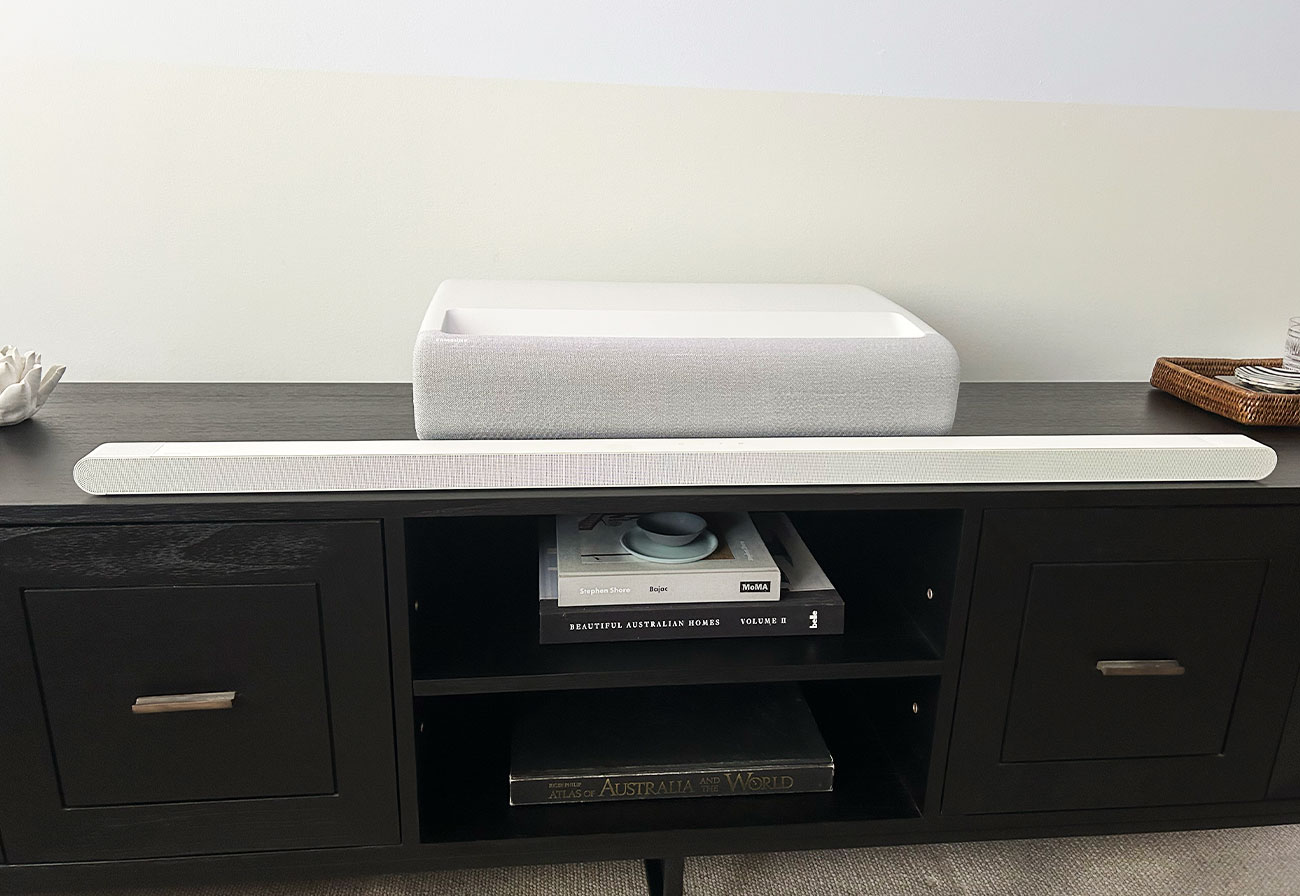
column 808, row 605
column 652, row 743
column 594, row 568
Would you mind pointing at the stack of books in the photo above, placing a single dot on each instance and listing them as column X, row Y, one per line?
column 653, row 743
column 759, row 578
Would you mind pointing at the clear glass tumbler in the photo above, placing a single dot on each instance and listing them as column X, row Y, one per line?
column 1291, row 355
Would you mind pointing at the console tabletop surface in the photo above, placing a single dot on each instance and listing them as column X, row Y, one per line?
column 36, row 457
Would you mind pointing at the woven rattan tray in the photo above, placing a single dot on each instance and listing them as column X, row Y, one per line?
column 1193, row 380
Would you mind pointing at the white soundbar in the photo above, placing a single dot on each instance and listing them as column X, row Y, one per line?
column 168, row 468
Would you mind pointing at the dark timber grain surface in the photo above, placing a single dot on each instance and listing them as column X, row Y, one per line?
column 36, row 457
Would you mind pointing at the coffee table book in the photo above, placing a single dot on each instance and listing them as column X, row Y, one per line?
column 808, row 605
column 667, row 743
column 808, row 613
column 594, row 568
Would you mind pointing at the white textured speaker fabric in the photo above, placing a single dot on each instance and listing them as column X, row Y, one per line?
column 503, row 383
column 244, row 467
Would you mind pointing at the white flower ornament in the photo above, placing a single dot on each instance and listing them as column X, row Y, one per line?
column 24, row 384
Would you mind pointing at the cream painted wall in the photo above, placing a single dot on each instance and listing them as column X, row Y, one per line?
column 1236, row 54
column 161, row 221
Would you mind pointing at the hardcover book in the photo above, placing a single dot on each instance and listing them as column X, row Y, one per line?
column 651, row 743
column 808, row 605
column 595, row 568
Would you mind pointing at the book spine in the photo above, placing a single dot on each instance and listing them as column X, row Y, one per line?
column 803, row 615
column 588, row 788
column 667, row 588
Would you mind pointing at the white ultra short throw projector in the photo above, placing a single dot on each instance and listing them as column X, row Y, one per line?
column 532, row 359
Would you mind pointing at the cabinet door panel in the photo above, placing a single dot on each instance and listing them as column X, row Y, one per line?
column 1195, row 601
column 1285, row 784
column 287, row 619
column 99, row 651
column 1197, row 614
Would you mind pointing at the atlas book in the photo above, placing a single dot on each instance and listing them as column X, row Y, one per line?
column 658, row 743
column 594, row 566
column 808, row 604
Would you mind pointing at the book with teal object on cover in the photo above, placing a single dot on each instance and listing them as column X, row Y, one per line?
column 594, row 566
column 808, row 604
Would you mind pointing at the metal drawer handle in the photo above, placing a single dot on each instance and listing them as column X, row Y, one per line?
column 184, row 702
column 1140, row 667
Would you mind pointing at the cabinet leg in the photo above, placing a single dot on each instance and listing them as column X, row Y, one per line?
column 665, row 876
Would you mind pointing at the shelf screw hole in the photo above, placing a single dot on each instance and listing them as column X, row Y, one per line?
column 916, row 708
column 929, row 594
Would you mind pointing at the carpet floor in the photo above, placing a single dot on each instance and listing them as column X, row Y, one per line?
column 1262, row 861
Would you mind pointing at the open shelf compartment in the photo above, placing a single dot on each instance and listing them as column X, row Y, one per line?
column 473, row 609
column 878, row 730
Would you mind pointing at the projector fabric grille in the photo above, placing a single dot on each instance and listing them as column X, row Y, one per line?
column 256, row 467
column 523, row 387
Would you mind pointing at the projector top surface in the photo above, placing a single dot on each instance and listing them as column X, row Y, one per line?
column 695, row 310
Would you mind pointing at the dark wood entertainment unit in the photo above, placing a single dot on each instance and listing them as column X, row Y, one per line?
column 377, row 645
